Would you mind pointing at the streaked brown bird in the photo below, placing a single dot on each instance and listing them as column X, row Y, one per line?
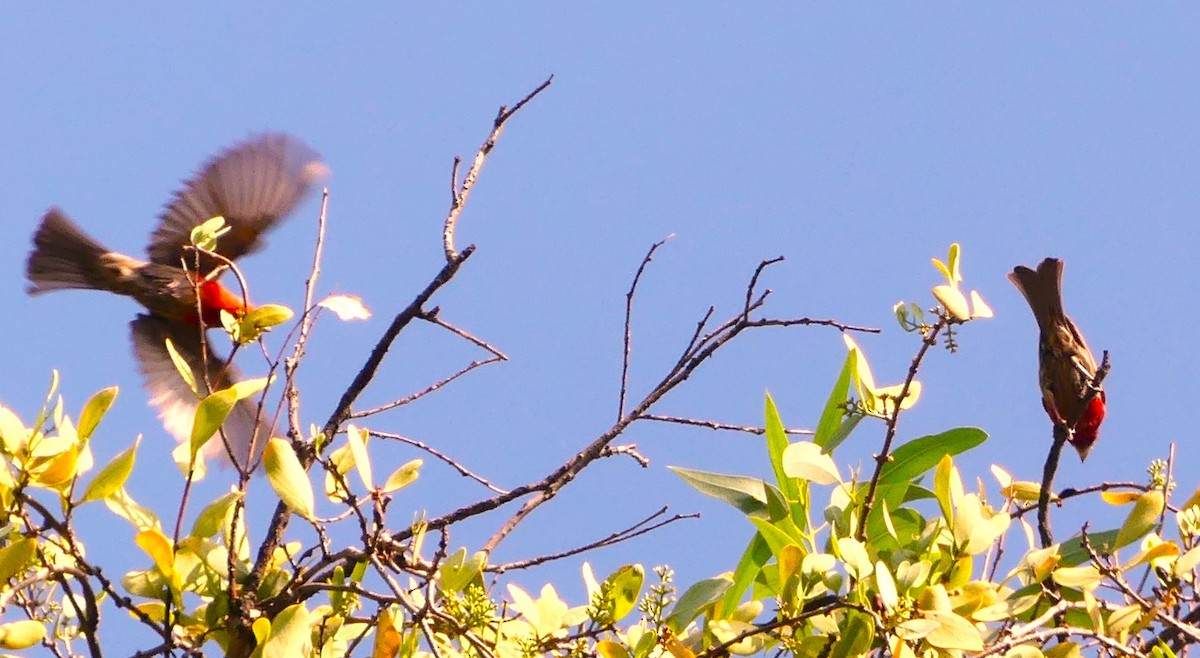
column 253, row 185
column 1066, row 367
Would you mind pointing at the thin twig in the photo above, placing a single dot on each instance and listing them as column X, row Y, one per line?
column 463, row 470
column 628, row 338
column 414, row 310
column 885, row 453
column 636, row 530
column 715, row 425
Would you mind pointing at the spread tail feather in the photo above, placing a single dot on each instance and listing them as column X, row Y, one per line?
column 1043, row 290
column 64, row 257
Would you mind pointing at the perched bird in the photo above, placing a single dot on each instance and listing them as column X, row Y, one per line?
column 253, row 185
column 1066, row 367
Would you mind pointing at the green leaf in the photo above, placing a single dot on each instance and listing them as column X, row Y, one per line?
column 827, row 434
column 403, row 476
column 458, row 571
column 777, row 443
column 212, row 517
column 357, row 440
column 94, row 410
column 625, row 585
column 205, row 235
column 124, row 506
column 857, row 635
column 696, row 599
column 290, row 634
column 941, row 488
column 757, row 554
column 746, row 494
column 15, row 556
column 113, row 476
column 915, row 458
column 288, row 479
column 249, row 388
column 1142, row 518
column 777, row 539
column 210, row 414
column 268, row 315
column 185, row 370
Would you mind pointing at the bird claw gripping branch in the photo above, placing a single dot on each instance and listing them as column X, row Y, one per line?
column 1066, row 367
column 253, row 185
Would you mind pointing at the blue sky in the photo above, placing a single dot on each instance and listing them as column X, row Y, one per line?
column 856, row 144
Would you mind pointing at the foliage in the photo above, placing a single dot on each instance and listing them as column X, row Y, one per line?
column 898, row 558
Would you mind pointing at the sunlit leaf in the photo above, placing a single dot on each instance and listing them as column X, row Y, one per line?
column 290, row 636
column 806, row 461
column 210, row 415
column 747, row 494
column 346, row 307
column 403, row 476
column 94, row 410
column 952, row 299
column 184, row 369
column 979, row 308
column 21, row 634
column 15, row 556
column 288, row 479
column 113, row 476
column 625, row 585
column 835, row 406
column 953, row 632
column 1144, row 516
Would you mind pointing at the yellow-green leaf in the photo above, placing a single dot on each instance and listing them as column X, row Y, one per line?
column 249, row 388
column 185, row 370
column 357, row 440
column 212, row 518
column 458, row 571
column 953, row 632
column 21, row 634
column 13, row 433
column 611, row 649
column 113, row 476
column 288, row 479
column 210, row 414
column 269, row 315
column 290, row 635
column 1142, row 518
column 403, row 476
column 205, row 235
column 15, row 556
column 1085, row 577
column 625, row 586
column 94, row 410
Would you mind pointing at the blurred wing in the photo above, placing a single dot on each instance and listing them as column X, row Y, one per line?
column 252, row 185
column 170, row 395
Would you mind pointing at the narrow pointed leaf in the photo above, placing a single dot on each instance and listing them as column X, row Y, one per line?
column 288, row 479
column 113, row 476
column 94, row 410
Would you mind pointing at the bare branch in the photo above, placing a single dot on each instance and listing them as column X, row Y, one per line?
column 628, row 339
column 715, row 425
column 636, row 530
